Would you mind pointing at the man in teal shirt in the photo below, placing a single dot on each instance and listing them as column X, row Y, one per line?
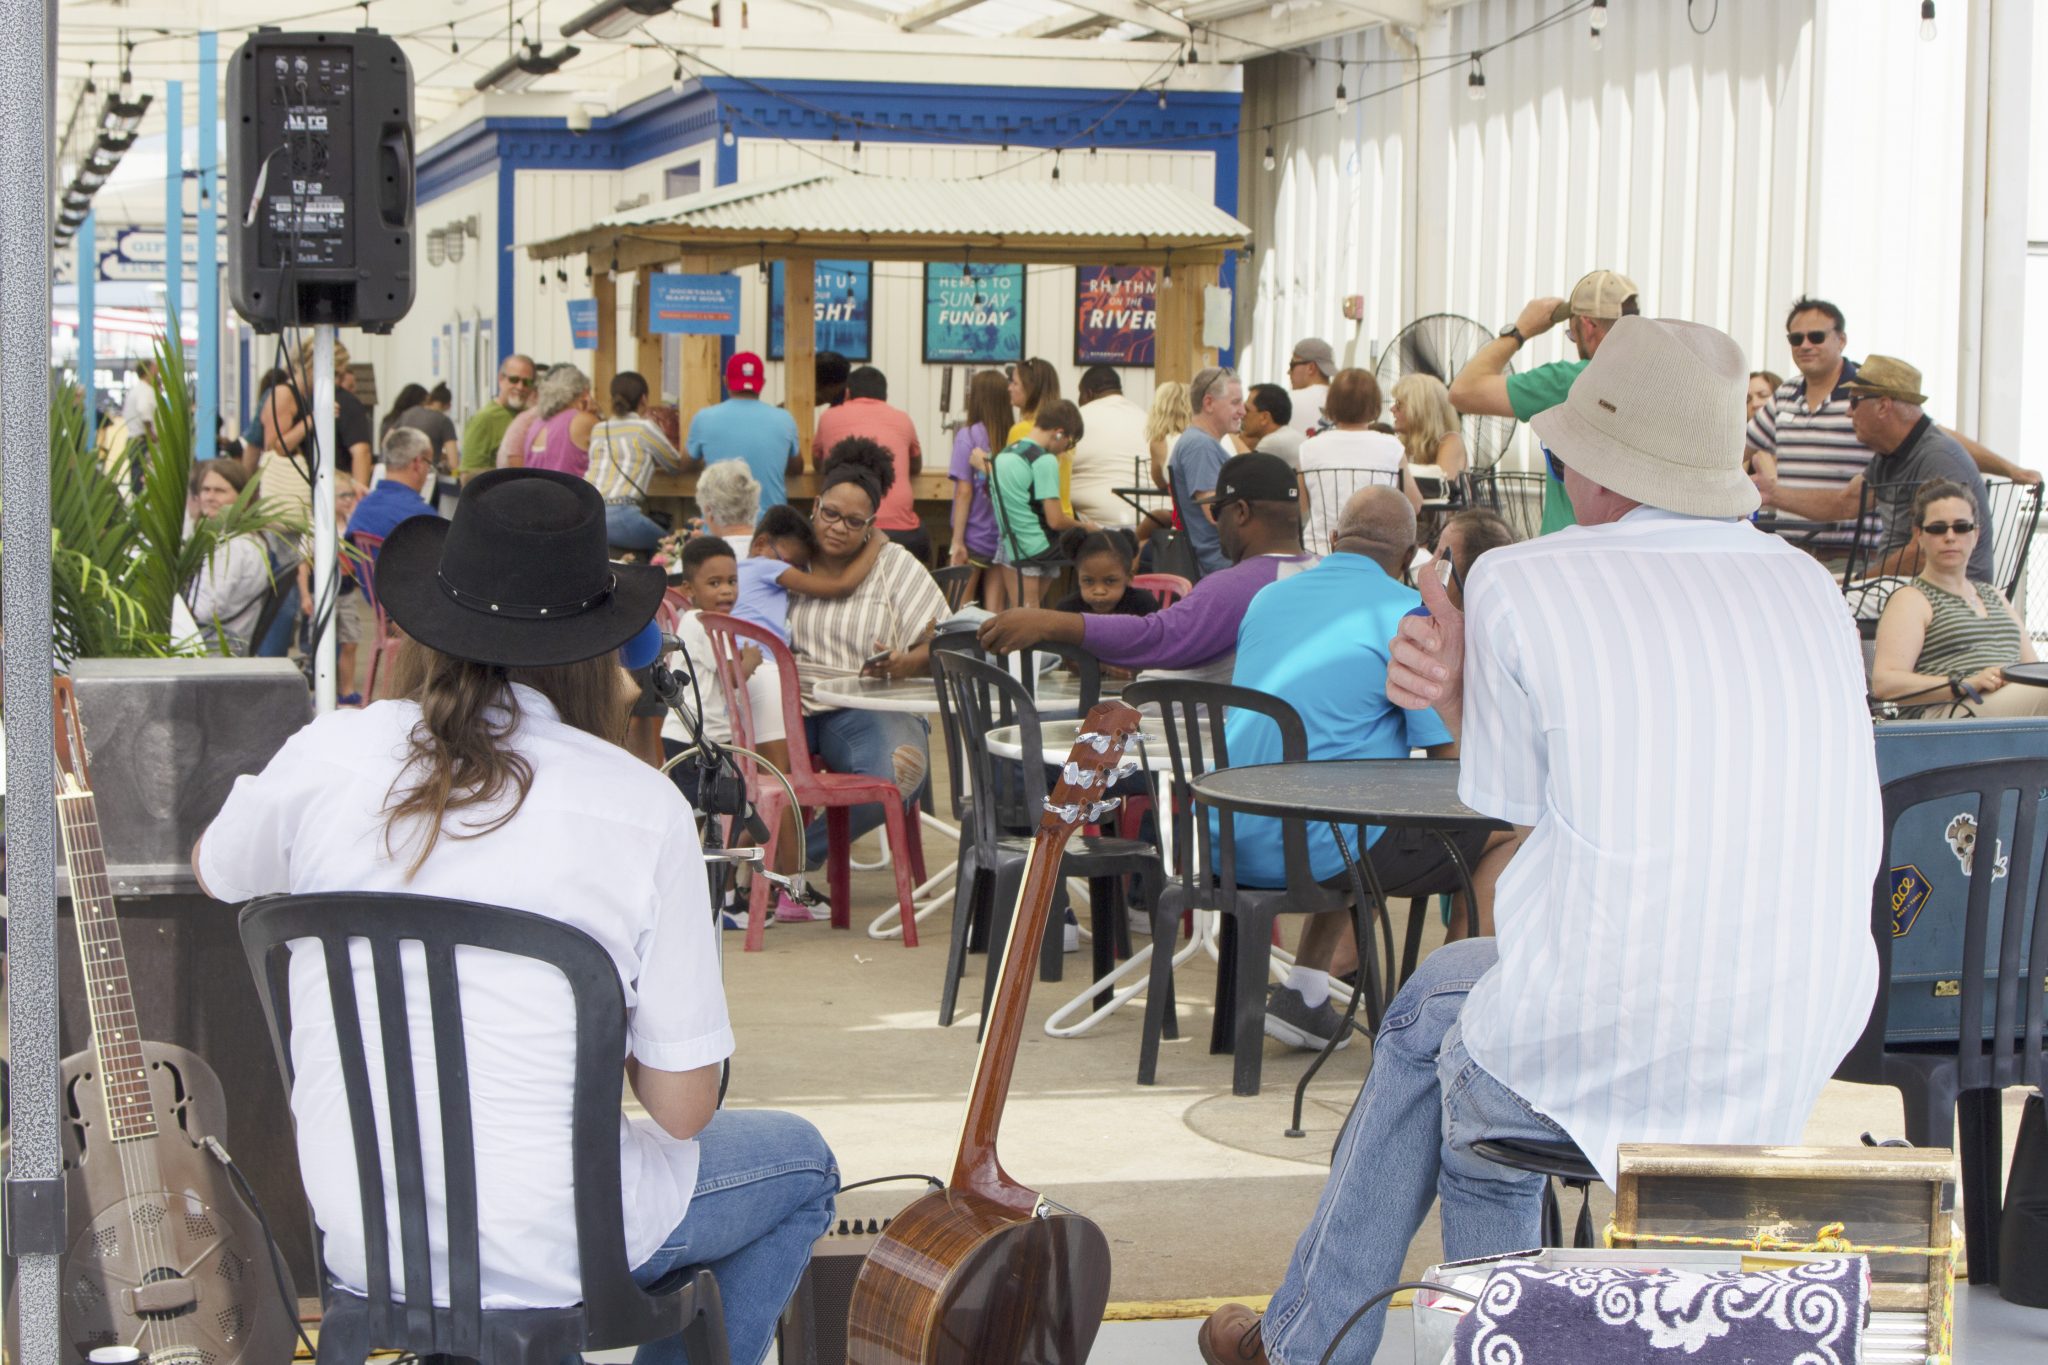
column 1484, row 388
column 1025, row 480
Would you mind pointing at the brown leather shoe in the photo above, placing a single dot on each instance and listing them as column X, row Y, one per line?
column 1231, row 1337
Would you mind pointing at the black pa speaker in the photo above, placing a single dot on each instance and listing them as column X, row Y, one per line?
column 320, row 180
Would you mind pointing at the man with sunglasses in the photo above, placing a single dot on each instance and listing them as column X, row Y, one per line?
column 1309, row 368
column 1907, row 449
column 485, row 431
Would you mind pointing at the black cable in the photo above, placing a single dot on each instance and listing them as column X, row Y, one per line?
column 1713, row 16
column 1380, row 1297
column 248, row 1194
column 930, row 1180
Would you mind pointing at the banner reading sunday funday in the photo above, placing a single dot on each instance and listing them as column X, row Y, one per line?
column 973, row 314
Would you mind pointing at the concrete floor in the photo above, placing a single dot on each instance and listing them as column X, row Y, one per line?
column 1200, row 1194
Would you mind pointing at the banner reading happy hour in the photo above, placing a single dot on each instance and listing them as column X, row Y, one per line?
column 1115, row 312
column 973, row 314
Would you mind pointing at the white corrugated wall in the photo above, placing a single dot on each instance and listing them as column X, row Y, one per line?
column 1797, row 146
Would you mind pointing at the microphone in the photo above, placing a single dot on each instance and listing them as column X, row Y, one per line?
column 650, row 644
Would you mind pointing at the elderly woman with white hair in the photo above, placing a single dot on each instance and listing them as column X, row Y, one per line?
column 729, row 503
column 561, row 432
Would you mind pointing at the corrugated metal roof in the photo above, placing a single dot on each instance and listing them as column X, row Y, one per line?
column 882, row 206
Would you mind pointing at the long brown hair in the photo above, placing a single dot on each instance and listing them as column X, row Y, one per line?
column 1040, row 382
column 458, row 756
column 988, row 406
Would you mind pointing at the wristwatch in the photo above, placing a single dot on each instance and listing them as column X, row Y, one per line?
column 1511, row 330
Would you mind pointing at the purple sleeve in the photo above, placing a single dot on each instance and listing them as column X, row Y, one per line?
column 964, row 442
column 1200, row 627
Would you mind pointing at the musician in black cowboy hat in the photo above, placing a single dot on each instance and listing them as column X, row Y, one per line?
column 496, row 775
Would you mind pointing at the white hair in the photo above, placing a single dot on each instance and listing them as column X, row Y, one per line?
column 728, row 494
column 405, row 447
column 561, row 388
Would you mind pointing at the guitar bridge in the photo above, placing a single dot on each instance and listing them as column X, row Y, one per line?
column 1046, row 1208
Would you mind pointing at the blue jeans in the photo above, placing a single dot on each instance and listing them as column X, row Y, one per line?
column 629, row 528
column 765, row 1182
column 277, row 641
column 862, row 742
column 1407, row 1142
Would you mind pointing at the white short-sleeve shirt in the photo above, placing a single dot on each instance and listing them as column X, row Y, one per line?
column 604, row 843
column 1676, row 706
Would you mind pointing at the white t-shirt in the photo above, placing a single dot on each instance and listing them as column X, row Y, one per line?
column 1284, row 442
column 604, row 843
column 1339, row 455
column 1308, row 407
column 1684, row 940
column 138, row 408
column 764, row 691
column 1112, row 454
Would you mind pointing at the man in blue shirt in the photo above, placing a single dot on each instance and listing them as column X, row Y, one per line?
column 408, row 465
column 745, row 428
column 1197, row 458
column 1318, row 640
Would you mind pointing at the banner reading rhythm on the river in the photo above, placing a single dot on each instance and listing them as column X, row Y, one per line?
column 1115, row 312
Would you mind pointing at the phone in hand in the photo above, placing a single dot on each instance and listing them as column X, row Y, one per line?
column 872, row 666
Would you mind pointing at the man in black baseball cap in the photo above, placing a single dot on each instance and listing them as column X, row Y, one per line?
column 1256, row 506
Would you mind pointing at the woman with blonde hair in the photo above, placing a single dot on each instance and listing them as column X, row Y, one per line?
column 1427, row 425
column 1169, row 415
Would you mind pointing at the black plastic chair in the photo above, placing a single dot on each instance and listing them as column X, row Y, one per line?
column 980, row 697
column 615, row 1312
column 953, row 581
column 1998, row 1046
column 1194, row 713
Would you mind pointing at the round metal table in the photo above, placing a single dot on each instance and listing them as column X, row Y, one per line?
column 2027, row 675
column 1391, row 793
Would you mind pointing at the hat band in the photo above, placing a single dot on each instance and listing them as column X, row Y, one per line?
column 520, row 610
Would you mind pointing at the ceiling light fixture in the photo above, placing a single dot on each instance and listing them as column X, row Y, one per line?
column 523, row 70
column 1599, row 21
column 615, row 18
column 1475, row 84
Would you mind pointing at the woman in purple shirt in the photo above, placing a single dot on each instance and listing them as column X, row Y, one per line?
column 974, row 517
column 561, row 436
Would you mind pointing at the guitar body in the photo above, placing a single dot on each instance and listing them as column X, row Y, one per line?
column 958, row 1280
column 175, row 1230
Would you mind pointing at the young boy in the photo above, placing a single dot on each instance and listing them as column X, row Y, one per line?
column 778, row 561
column 1025, row 482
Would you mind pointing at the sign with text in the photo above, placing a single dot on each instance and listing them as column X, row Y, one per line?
column 583, row 324
column 842, row 307
column 1115, row 312
column 694, row 305
column 973, row 314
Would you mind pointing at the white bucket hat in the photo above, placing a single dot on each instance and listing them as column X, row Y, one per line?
column 1658, row 416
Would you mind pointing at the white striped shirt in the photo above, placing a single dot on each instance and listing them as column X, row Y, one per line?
column 624, row 454
column 1676, row 706
column 892, row 608
column 1814, row 447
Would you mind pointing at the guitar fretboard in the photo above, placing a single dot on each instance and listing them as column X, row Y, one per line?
column 124, row 1077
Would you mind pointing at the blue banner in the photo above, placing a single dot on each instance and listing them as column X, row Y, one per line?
column 583, row 324
column 973, row 314
column 694, row 305
column 1114, row 314
column 843, row 308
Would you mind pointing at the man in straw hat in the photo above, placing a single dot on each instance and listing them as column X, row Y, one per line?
column 1907, row 449
column 497, row 777
column 1646, row 983
column 1484, row 386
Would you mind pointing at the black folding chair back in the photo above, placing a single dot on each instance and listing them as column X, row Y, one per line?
column 1517, row 496
column 2001, row 1003
column 2015, row 515
column 954, row 580
column 615, row 1312
column 1194, row 713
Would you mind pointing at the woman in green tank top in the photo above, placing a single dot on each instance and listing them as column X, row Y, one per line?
column 1942, row 635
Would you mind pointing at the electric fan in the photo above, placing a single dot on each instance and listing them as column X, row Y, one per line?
column 1439, row 345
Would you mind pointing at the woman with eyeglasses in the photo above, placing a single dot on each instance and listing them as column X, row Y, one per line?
column 881, row 628
column 1944, row 636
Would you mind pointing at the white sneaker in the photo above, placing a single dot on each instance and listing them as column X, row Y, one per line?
column 1140, row 922
column 1070, row 937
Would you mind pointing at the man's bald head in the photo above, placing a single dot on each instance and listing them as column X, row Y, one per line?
column 1378, row 523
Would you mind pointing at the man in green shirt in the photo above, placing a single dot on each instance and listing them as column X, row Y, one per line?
column 1484, row 388
column 480, row 438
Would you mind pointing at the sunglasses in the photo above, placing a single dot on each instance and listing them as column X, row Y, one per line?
column 1805, row 338
column 1555, row 465
column 1857, row 400
column 516, row 381
column 826, row 516
column 1212, row 510
column 1942, row 528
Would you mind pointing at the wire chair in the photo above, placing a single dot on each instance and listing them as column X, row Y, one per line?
column 1324, row 493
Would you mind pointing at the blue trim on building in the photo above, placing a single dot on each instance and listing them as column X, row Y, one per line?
column 804, row 111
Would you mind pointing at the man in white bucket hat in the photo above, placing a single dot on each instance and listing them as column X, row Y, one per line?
column 1683, row 945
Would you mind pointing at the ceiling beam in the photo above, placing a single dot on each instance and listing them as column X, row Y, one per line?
column 1242, row 40
column 1362, row 13
column 929, row 13
column 1088, row 13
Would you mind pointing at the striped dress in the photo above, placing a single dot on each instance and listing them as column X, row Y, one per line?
column 1960, row 641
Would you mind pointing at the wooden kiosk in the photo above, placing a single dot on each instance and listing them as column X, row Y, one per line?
column 827, row 215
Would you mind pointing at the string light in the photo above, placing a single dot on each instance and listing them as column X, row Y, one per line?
column 454, row 46
column 1271, row 160
column 1599, row 21
column 1475, row 84
column 676, row 80
column 1162, row 97
column 1926, row 21
column 728, row 137
column 1055, row 164
column 1342, row 102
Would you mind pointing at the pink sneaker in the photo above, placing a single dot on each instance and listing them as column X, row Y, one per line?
column 789, row 910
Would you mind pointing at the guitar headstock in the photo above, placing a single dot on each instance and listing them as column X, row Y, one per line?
column 1096, row 760
column 73, row 775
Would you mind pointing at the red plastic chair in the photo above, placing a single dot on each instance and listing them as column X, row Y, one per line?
column 1169, row 588
column 837, row 793
column 384, row 649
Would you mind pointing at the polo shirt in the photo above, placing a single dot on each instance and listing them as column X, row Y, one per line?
column 481, row 435
column 892, row 429
column 1928, row 452
column 1539, row 390
column 751, row 430
column 1193, row 467
column 1025, row 474
column 603, row 843
column 1319, row 641
column 1815, row 448
column 379, row 511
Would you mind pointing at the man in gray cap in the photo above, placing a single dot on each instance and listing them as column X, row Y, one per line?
column 1484, row 387
column 1308, row 374
column 1601, row 683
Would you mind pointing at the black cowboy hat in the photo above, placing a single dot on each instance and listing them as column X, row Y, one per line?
column 520, row 578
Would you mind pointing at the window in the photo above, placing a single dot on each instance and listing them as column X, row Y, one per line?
column 687, row 178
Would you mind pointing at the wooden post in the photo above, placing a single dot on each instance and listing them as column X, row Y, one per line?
column 1196, row 281
column 647, row 358
column 1173, row 346
column 702, row 381
column 799, row 349
column 604, row 362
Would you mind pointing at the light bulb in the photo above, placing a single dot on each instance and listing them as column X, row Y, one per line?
column 1596, row 40
column 1475, row 84
column 1342, row 103
column 1271, row 161
column 1162, row 99
column 676, row 81
column 729, row 139
column 1166, row 281
column 1599, row 16
column 1926, row 21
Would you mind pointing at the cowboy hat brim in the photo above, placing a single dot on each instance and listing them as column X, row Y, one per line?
column 409, row 587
